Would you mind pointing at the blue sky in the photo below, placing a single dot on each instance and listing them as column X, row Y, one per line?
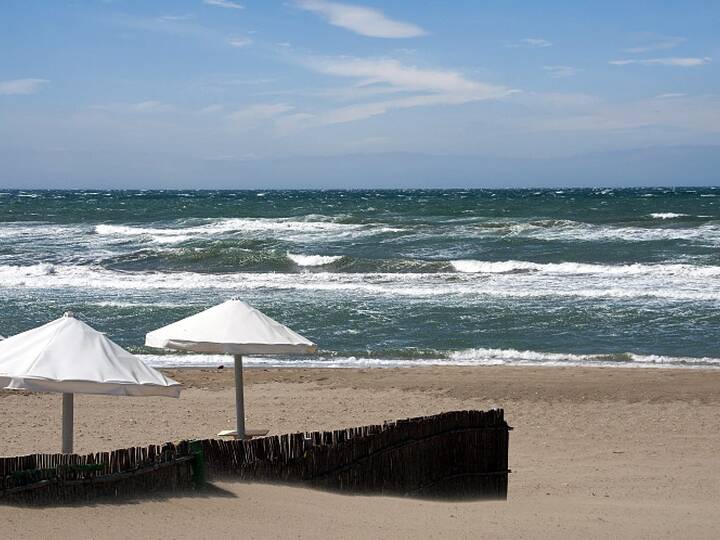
column 203, row 93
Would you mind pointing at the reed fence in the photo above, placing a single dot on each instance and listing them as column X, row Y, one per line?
column 456, row 454
column 67, row 478
column 453, row 454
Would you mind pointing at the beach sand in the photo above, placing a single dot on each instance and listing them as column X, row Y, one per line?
column 595, row 453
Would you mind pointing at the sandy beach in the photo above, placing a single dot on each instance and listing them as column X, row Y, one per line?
column 596, row 452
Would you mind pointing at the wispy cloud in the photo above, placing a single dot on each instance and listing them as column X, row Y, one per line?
column 700, row 114
column 558, row 101
column 672, row 61
column 183, row 27
column 396, row 75
column 559, row 72
column 224, row 4
column 185, row 17
column 260, row 112
column 21, row 86
column 362, row 20
column 670, row 95
column 145, row 107
column 151, row 106
column 386, row 76
column 656, row 43
column 240, row 41
column 531, row 43
column 362, row 111
column 212, row 108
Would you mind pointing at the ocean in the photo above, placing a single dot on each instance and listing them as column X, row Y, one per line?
column 612, row 277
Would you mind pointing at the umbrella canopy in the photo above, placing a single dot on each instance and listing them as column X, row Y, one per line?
column 67, row 355
column 232, row 327
column 236, row 328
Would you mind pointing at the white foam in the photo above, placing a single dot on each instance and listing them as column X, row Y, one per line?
column 313, row 260
column 675, row 282
column 161, row 236
column 502, row 267
column 666, row 215
column 490, row 267
column 513, row 356
column 468, row 357
column 568, row 230
column 312, row 226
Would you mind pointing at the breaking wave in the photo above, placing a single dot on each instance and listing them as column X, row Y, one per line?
column 505, row 267
column 468, row 357
column 667, row 215
column 675, row 282
column 563, row 230
column 315, row 228
column 313, row 260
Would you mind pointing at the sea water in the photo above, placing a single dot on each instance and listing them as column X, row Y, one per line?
column 615, row 277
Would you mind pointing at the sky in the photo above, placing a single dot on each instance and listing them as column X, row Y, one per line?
column 317, row 93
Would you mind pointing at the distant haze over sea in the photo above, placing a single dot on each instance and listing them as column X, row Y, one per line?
column 617, row 277
column 654, row 166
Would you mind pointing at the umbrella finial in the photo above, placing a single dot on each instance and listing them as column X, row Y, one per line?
column 69, row 314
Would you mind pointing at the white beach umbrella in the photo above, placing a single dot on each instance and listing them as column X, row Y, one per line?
column 68, row 356
column 232, row 327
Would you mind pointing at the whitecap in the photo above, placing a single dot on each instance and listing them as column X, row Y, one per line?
column 295, row 228
column 313, row 260
column 666, row 215
column 502, row 267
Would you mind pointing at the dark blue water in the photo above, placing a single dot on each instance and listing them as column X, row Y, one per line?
column 617, row 277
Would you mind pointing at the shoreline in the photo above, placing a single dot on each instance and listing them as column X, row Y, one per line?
column 485, row 358
column 534, row 383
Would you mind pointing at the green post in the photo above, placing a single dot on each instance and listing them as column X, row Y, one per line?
column 198, row 464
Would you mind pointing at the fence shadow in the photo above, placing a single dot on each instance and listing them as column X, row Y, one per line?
column 208, row 491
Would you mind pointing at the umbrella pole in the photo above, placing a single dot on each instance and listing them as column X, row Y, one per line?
column 239, row 397
column 67, row 424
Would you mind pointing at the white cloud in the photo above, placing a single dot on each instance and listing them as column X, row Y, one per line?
column 21, row 86
column 240, row 41
column 362, row 111
column 673, row 61
column 670, row 95
column 399, row 76
column 658, row 43
column 224, row 4
column 387, row 76
column 362, row 20
column 532, row 43
column 559, row 72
